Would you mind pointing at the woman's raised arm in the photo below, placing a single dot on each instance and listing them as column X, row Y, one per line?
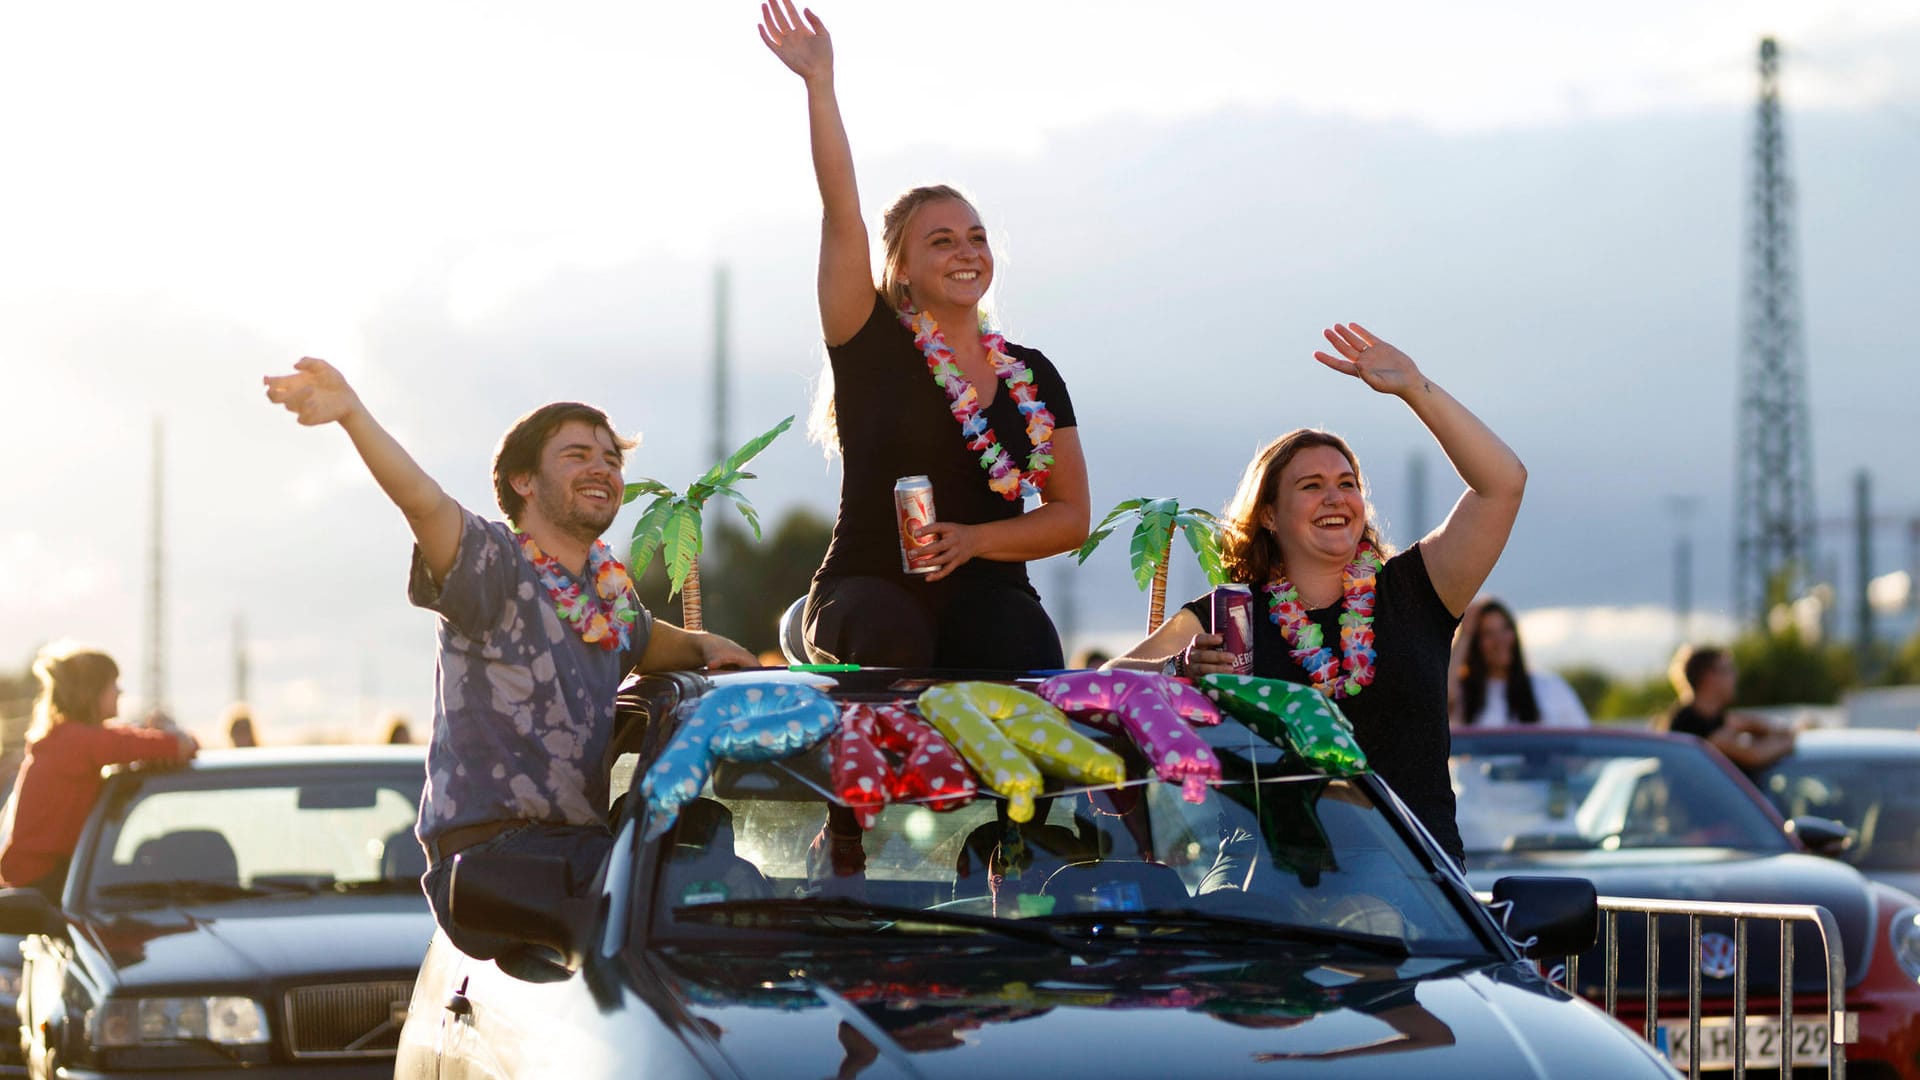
column 846, row 277
column 1461, row 552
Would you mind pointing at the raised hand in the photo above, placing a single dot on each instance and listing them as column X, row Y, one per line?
column 316, row 392
column 801, row 44
column 1372, row 361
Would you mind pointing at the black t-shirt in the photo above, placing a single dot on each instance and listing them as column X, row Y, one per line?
column 894, row 422
column 1688, row 720
column 1401, row 717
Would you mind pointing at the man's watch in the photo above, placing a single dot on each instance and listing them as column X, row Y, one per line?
column 1176, row 665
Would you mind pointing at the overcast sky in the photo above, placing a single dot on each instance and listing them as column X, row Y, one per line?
column 473, row 208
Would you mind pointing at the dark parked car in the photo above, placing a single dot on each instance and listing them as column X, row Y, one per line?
column 1869, row 781
column 1287, row 922
column 257, row 911
column 1667, row 817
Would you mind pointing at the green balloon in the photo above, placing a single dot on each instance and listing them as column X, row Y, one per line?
column 1298, row 717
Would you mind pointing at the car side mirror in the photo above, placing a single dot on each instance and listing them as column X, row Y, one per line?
column 28, row 911
column 1550, row 916
column 1823, row 836
column 520, row 897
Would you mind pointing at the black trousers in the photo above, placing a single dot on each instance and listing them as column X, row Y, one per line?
column 966, row 621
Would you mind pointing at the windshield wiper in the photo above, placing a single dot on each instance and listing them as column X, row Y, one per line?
column 187, row 889
column 844, row 915
column 1188, row 925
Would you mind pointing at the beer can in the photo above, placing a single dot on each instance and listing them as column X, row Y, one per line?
column 913, row 510
column 1233, row 621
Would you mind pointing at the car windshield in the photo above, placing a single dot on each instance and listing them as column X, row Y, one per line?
column 229, row 834
column 1310, row 861
column 1878, row 798
column 1533, row 793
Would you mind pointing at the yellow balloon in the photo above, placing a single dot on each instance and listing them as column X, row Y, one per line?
column 986, row 721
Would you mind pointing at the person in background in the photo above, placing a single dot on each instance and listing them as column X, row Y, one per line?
column 238, row 720
column 68, row 745
column 398, row 733
column 1491, row 685
column 1090, row 658
column 1707, row 681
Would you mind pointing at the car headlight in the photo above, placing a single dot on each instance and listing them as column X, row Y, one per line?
column 228, row 1021
column 1903, row 937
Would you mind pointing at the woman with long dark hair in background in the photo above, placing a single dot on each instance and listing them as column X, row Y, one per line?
column 921, row 386
column 1492, row 685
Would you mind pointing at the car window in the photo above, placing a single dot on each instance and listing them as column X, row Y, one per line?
column 315, row 833
column 1879, row 800
column 1574, row 794
column 1299, row 851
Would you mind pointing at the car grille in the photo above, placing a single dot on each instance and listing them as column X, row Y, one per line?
column 347, row 1019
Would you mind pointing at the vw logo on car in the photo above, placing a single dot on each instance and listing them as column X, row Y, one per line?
column 1717, row 956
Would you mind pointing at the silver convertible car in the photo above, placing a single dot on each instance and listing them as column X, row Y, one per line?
column 1277, row 920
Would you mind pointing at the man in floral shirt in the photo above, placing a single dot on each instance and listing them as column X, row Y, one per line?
column 538, row 626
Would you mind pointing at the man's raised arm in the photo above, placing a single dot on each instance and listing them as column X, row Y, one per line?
column 318, row 394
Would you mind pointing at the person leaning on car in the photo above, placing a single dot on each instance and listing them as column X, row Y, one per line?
column 538, row 625
column 69, row 744
column 1705, row 679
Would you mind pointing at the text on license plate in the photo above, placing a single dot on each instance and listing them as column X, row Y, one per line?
column 1763, row 1042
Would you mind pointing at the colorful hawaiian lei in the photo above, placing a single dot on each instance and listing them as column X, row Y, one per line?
column 1356, row 628
column 607, row 618
column 1003, row 476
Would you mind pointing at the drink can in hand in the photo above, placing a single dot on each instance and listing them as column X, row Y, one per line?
column 1233, row 621
column 913, row 510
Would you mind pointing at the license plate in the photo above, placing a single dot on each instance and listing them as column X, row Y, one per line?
column 1809, row 1043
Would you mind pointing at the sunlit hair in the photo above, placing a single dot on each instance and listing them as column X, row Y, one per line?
column 1248, row 549
column 1522, row 707
column 72, row 678
column 1691, row 664
column 823, row 425
column 519, row 450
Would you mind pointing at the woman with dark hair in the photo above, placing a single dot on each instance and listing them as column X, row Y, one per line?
column 1370, row 629
column 67, row 747
column 919, row 385
column 1491, row 685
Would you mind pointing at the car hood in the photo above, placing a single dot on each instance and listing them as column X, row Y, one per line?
column 1141, row 1014
column 1713, row 875
column 249, row 942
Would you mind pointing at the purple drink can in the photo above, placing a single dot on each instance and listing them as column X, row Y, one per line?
column 1233, row 621
column 912, row 511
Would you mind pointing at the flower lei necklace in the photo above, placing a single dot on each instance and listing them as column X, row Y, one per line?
column 1003, row 476
column 606, row 619
column 1356, row 628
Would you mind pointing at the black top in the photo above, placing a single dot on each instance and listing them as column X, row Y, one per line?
column 1401, row 717
column 894, row 422
column 1688, row 720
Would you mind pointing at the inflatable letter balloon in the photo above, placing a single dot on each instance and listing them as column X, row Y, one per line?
column 1297, row 716
column 739, row 722
column 1009, row 735
column 867, row 780
column 1152, row 710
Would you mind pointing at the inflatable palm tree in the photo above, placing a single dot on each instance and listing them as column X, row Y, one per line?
column 671, row 524
column 1152, row 545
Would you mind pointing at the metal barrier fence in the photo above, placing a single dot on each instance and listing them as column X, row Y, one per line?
column 1841, row 1027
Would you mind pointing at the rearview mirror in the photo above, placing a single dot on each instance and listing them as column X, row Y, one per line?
column 1550, row 916
column 1823, row 836
column 28, row 911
